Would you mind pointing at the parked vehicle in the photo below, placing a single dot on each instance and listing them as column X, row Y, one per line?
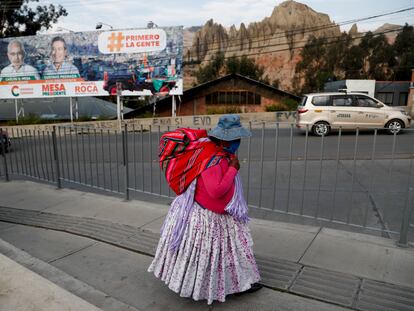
column 94, row 70
column 5, row 141
column 137, row 80
column 323, row 112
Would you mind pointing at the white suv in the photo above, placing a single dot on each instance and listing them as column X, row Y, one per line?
column 322, row 112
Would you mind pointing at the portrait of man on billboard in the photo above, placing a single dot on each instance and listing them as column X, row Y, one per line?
column 59, row 67
column 17, row 70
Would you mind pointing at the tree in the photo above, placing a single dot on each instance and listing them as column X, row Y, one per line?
column 353, row 63
column 343, row 58
column 248, row 68
column 18, row 18
column 232, row 65
column 336, row 51
column 381, row 57
column 219, row 65
column 404, row 50
column 211, row 71
column 313, row 69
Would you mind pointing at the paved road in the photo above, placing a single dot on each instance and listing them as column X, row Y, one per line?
column 347, row 187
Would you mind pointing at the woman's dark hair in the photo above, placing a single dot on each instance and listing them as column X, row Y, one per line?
column 215, row 140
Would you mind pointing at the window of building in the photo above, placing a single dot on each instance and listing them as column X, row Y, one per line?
column 386, row 97
column 243, row 98
column 250, row 98
column 402, row 99
column 222, row 98
column 257, row 99
column 229, row 98
column 233, row 98
column 209, row 99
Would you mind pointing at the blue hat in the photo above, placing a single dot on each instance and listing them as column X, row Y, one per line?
column 229, row 128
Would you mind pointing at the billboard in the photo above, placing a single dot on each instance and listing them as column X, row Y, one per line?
column 94, row 63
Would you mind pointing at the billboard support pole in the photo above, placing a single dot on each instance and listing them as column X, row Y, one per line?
column 71, row 109
column 118, row 103
column 118, row 107
column 21, row 110
column 76, row 109
column 173, row 114
column 122, row 107
column 17, row 110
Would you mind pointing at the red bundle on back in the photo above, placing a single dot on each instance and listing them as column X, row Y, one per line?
column 184, row 154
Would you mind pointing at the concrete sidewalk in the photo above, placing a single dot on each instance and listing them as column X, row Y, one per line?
column 310, row 268
column 22, row 290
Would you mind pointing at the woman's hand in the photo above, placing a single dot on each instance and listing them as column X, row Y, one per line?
column 234, row 161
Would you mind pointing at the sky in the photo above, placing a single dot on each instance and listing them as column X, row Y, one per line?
column 83, row 15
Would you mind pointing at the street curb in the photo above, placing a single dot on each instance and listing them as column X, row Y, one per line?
column 63, row 280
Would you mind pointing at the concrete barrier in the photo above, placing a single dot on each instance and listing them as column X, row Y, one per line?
column 198, row 121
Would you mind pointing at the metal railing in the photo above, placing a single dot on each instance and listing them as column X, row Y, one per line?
column 362, row 181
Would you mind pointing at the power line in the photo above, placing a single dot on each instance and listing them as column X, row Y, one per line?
column 308, row 45
column 74, row 3
column 302, row 41
column 283, row 34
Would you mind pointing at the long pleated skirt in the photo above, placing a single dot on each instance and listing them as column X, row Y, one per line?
column 214, row 259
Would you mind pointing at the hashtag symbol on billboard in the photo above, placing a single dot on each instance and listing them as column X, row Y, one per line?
column 115, row 42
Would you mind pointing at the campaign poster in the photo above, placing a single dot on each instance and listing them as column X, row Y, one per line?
column 128, row 62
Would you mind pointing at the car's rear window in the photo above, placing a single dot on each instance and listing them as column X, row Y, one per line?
column 303, row 101
column 320, row 100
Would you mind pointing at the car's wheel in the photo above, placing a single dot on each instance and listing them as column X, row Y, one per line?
column 394, row 126
column 321, row 128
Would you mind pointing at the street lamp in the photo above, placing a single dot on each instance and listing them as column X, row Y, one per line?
column 151, row 24
column 100, row 24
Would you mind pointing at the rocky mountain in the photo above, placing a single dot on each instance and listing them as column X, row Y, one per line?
column 274, row 43
column 394, row 29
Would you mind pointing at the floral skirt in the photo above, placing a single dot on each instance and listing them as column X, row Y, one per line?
column 215, row 257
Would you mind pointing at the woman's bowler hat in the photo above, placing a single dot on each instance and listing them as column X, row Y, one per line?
column 229, row 128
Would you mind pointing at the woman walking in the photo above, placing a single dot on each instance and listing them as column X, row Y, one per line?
column 205, row 249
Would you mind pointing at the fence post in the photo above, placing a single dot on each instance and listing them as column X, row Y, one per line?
column 405, row 224
column 125, row 150
column 55, row 152
column 3, row 153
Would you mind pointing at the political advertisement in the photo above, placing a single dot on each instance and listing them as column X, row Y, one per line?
column 129, row 62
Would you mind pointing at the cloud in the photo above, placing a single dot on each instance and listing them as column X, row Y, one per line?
column 129, row 13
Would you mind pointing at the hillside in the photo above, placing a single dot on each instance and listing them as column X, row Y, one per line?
column 275, row 42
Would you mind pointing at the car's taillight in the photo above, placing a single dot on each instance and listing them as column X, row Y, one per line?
column 302, row 110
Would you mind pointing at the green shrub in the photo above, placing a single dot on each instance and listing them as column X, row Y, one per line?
column 290, row 103
column 31, row 119
column 147, row 114
column 36, row 119
column 275, row 107
column 223, row 110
